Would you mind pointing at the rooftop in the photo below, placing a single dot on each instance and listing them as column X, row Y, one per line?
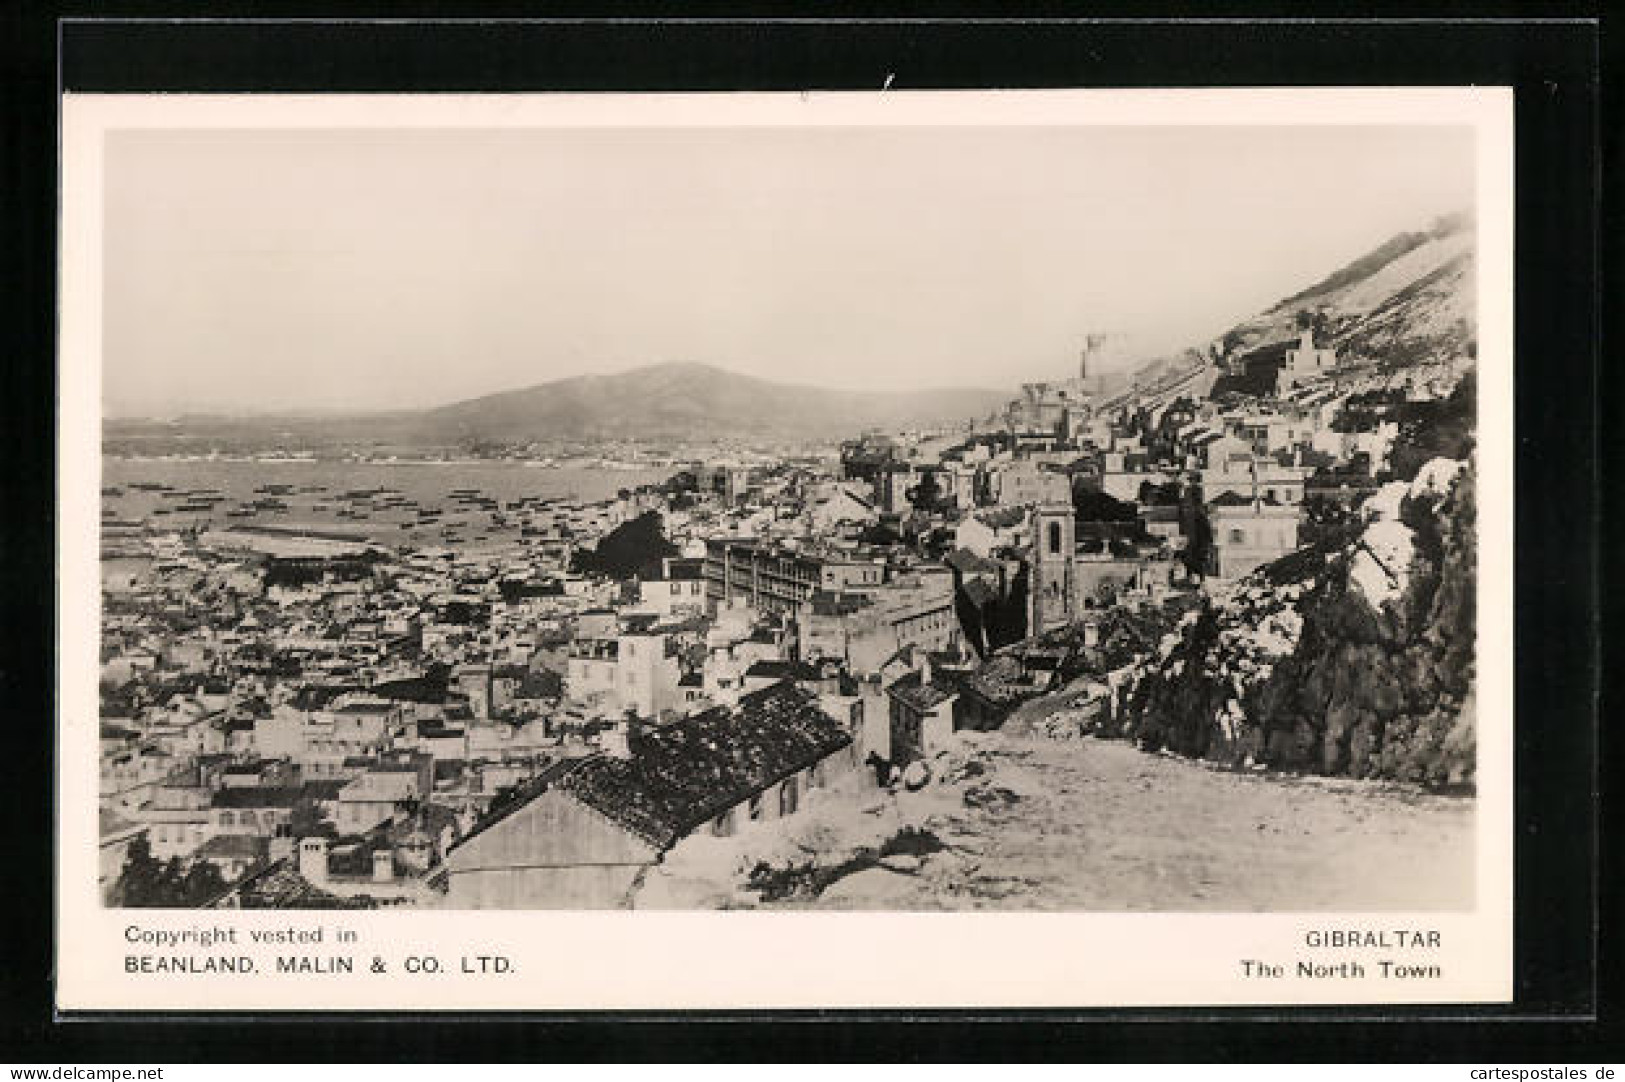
column 913, row 692
column 779, row 669
column 230, row 847
column 683, row 774
column 254, row 797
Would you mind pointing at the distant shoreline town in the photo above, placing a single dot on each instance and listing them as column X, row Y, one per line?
column 624, row 674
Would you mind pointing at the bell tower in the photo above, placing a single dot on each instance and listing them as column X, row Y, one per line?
column 1049, row 592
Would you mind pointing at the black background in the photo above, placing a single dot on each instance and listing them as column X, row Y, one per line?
column 1554, row 64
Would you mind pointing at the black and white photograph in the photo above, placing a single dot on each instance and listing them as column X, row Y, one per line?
column 1078, row 515
column 842, row 518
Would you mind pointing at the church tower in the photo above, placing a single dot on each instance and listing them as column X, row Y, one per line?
column 1049, row 588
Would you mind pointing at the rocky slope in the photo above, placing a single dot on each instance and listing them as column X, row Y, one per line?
column 1353, row 657
column 1407, row 306
column 1011, row 822
column 1409, row 298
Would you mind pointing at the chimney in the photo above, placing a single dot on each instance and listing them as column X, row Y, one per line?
column 616, row 742
column 313, row 860
column 383, row 865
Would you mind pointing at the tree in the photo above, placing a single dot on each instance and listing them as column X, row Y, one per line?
column 1095, row 506
column 1106, row 594
column 927, row 496
column 1196, row 527
column 683, row 481
column 305, row 818
column 636, row 547
column 140, row 875
column 880, row 534
column 1155, row 495
column 146, row 882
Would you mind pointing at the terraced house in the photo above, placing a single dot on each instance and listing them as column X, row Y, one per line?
column 586, row 839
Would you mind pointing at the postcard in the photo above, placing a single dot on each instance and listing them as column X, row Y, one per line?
column 846, row 550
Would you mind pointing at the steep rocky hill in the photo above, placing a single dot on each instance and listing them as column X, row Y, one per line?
column 1408, row 302
column 1351, row 657
column 1405, row 306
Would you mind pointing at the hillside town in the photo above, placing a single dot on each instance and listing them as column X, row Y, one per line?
column 305, row 717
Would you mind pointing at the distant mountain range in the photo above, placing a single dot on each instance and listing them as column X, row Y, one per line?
column 1408, row 302
column 668, row 401
column 676, row 401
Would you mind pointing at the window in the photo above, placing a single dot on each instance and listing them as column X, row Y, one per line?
column 1054, row 538
column 1238, row 537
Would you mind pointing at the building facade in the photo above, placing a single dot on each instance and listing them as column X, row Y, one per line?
column 774, row 578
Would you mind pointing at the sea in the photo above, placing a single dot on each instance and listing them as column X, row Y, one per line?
column 391, row 503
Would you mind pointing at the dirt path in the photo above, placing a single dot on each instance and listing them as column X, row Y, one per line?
column 1098, row 825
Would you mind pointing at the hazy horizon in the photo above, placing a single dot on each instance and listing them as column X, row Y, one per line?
column 302, row 270
column 252, row 410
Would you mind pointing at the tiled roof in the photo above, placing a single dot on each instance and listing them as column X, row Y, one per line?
column 1229, row 499
column 980, row 592
column 254, row 797
column 528, row 790
column 111, row 823
column 683, row 774
column 967, row 562
column 780, row 669
column 1001, row 681
column 918, row 696
column 230, row 847
column 281, row 887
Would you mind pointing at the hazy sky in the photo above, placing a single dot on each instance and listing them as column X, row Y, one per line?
column 377, row 269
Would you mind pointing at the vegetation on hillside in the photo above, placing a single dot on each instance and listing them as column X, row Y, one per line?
column 1299, row 669
column 147, row 882
column 633, row 549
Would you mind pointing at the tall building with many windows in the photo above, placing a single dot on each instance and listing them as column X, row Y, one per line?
column 775, row 578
